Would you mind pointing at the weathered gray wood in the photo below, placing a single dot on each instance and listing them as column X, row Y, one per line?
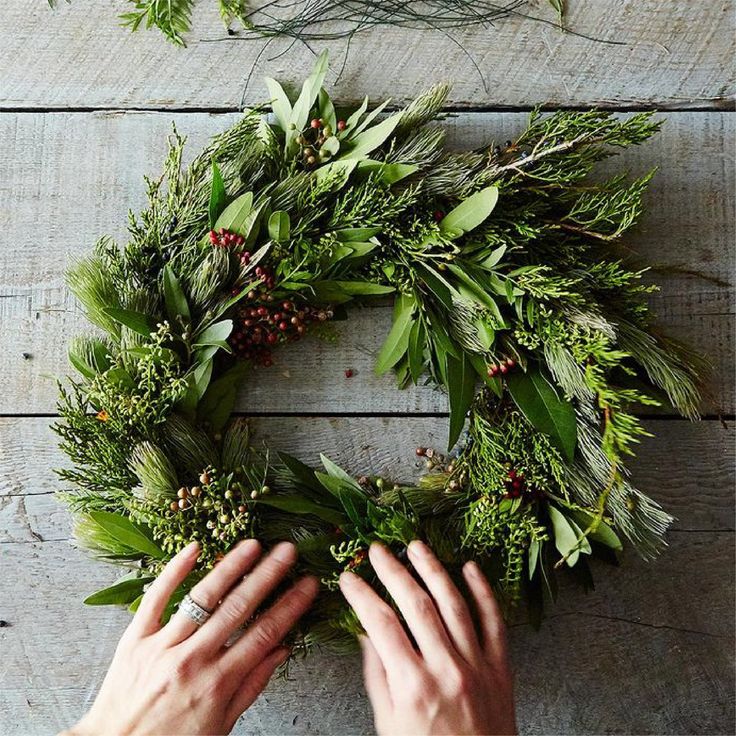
column 687, row 467
column 677, row 55
column 651, row 655
column 46, row 222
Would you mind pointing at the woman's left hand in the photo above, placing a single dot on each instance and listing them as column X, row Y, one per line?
column 181, row 677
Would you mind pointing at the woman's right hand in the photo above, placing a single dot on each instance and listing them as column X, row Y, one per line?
column 453, row 682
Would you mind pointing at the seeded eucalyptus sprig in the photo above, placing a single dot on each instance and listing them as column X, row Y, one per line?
column 509, row 295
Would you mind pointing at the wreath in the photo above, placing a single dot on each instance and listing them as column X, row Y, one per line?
column 509, row 294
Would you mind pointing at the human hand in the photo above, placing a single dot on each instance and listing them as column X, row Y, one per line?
column 454, row 683
column 181, row 678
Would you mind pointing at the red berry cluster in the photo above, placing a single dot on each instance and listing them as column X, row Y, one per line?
column 226, row 239
column 501, row 368
column 515, row 484
column 261, row 327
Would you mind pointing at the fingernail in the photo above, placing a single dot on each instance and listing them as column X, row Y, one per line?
column 248, row 543
column 307, row 584
column 191, row 548
column 284, row 552
column 347, row 578
column 417, row 547
column 473, row 569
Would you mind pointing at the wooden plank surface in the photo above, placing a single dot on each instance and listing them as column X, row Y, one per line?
column 688, row 226
column 651, row 650
column 676, row 55
column 662, row 630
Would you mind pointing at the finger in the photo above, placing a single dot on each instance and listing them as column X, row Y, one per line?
column 270, row 628
column 415, row 604
column 374, row 675
column 493, row 628
column 254, row 684
column 382, row 626
column 451, row 605
column 213, row 587
column 242, row 601
column 147, row 619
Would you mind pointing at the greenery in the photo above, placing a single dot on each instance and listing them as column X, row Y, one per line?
column 509, row 294
column 322, row 20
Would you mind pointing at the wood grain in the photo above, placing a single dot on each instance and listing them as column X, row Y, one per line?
column 674, row 55
column 688, row 227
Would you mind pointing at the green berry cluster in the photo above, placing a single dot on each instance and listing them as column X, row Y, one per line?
column 217, row 512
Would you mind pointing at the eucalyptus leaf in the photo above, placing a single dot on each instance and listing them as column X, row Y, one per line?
column 279, row 226
column 544, row 409
column 218, row 401
column 336, row 471
column 470, row 213
column 461, row 390
column 397, row 341
column 331, row 146
column 218, row 196
column 307, row 97
column 534, row 549
column 603, row 532
column 174, row 297
column 486, row 333
column 136, row 321
column 352, row 122
column 235, row 215
column 566, row 539
column 215, row 334
column 126, row 532
column 494, row 258
column 122, row 592
column 301, row 506
column 369, row 118
column 279, row 103
column 390, row 173
column 326, row 109
column 372, row 138
column 415, row 352
column 438, row 285
column 356, row 234
column 202, row 376
column 364, row 288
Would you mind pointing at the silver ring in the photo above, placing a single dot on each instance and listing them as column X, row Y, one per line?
column 190, row 608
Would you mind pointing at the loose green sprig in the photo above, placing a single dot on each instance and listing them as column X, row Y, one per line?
column 323, row 19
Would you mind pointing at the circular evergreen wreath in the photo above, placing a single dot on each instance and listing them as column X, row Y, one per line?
column 505, row 272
